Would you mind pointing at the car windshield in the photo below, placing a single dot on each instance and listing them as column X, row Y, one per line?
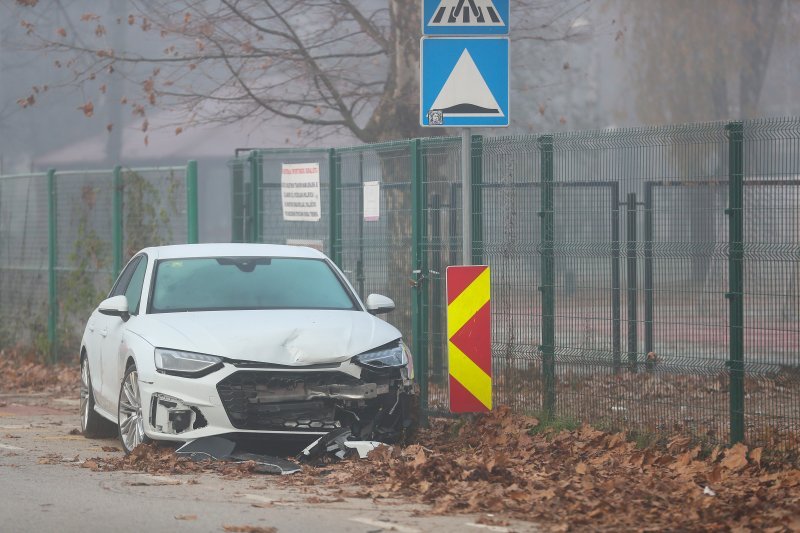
column 235, row 283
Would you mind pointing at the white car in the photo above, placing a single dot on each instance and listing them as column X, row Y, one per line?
column 211, row 339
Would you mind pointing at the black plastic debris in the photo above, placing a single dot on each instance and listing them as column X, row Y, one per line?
column 207, row 448
column 337, row 444
column 222, row 449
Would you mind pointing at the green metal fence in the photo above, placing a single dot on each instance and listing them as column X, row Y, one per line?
column 642, row 279
column 65, row 235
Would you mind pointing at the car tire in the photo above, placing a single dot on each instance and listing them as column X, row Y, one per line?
column 92, row 424
column 129, row 412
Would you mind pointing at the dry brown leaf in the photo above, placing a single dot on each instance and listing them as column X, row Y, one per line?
column 735, row 458
column 186, row 517
column 755, row 456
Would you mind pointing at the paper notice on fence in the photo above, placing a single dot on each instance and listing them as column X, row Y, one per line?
column 300, row 192
column 372, row 200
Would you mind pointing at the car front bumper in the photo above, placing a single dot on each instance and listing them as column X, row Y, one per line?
column 289, row 401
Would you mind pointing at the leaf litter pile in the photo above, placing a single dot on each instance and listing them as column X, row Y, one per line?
column 501, row 463
column 25, row 372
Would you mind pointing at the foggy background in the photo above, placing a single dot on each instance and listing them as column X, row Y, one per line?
column 625, row 63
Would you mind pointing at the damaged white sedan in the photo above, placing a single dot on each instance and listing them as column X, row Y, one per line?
column 212, row 339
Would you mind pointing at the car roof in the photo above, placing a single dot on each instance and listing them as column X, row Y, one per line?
column 181, row 251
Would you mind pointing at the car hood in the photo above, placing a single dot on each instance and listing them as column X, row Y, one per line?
column 283, row 337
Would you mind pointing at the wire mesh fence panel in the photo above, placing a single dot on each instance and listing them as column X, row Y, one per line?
column 509, row 201
column 154, row 208
column 375, row 253
column 63, row 236
column 23, row 260
column 662, row 368
column 442, row 213
column 771, row 282
column 84, row 255
column 642, row 279
column 277, row 219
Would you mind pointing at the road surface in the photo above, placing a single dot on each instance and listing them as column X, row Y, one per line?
column 44, row 488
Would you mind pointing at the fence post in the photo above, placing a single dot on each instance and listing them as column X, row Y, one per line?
column 360, row 276
column 117, row 220
column 419, row 264
column 547, row 286
column 437, row 325
column 191, row 202
column 477, row 199
column 238, row 211
column 736, row 276
column 648, row 274
column 616, row 290
column 52, row 250
column 255, row 193
column 633, row 339
column 335, row 198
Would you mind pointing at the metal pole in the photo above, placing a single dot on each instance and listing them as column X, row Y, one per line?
column 360, row 277
column 735, row 293
column 648, row 273
column 52, row 249
column 548, row 278
column 466, row 196
column 616, row 296
column 476, row 163
column 116, row 222
column 193, row 236
column 335, row 208
column 633, row 341
column 419, row 264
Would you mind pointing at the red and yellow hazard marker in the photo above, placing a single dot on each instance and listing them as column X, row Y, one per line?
column 469, row 334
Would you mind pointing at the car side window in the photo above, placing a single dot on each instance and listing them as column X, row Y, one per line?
column 122, row 281
column 134, row 291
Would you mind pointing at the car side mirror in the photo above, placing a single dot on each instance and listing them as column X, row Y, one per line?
column 378, row 304
column 115, row 306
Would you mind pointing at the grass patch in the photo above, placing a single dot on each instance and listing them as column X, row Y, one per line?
column 551, row 425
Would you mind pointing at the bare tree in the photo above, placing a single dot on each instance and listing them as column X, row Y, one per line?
column 691, row 57
column 326, row 65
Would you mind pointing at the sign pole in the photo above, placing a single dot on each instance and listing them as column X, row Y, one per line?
column 466, row 196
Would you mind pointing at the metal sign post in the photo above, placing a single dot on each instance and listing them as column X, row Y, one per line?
column 466, row 196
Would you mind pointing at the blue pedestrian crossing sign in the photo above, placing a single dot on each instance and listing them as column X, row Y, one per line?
column 465, row 17
column 464, row 82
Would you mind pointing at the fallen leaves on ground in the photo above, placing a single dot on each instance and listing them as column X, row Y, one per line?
column 153, row 459
column 584, row 479
column 23, row 372
column 576, row 480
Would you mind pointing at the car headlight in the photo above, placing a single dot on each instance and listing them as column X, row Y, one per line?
column 186, row 364
column 394, row 355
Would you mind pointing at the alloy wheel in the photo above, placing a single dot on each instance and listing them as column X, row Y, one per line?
column 131, row 423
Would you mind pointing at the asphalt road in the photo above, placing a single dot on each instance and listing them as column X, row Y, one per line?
column 64, row 497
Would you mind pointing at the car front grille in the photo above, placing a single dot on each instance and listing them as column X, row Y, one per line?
column 259, row 400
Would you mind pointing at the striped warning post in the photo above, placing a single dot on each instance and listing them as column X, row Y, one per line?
column 469, row 334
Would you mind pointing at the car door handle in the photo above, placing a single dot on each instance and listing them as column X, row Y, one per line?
column 104, row 333
column 91, row 328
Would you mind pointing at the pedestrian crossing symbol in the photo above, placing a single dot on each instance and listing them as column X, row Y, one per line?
column 465, row 17
column 464, row 82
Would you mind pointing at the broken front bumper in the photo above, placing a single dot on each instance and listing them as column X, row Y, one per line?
column 373, row 404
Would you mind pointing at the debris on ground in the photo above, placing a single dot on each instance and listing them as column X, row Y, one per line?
column 222, row 449
column 338, row 444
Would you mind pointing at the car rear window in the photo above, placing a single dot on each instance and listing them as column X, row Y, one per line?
column 234, row 283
